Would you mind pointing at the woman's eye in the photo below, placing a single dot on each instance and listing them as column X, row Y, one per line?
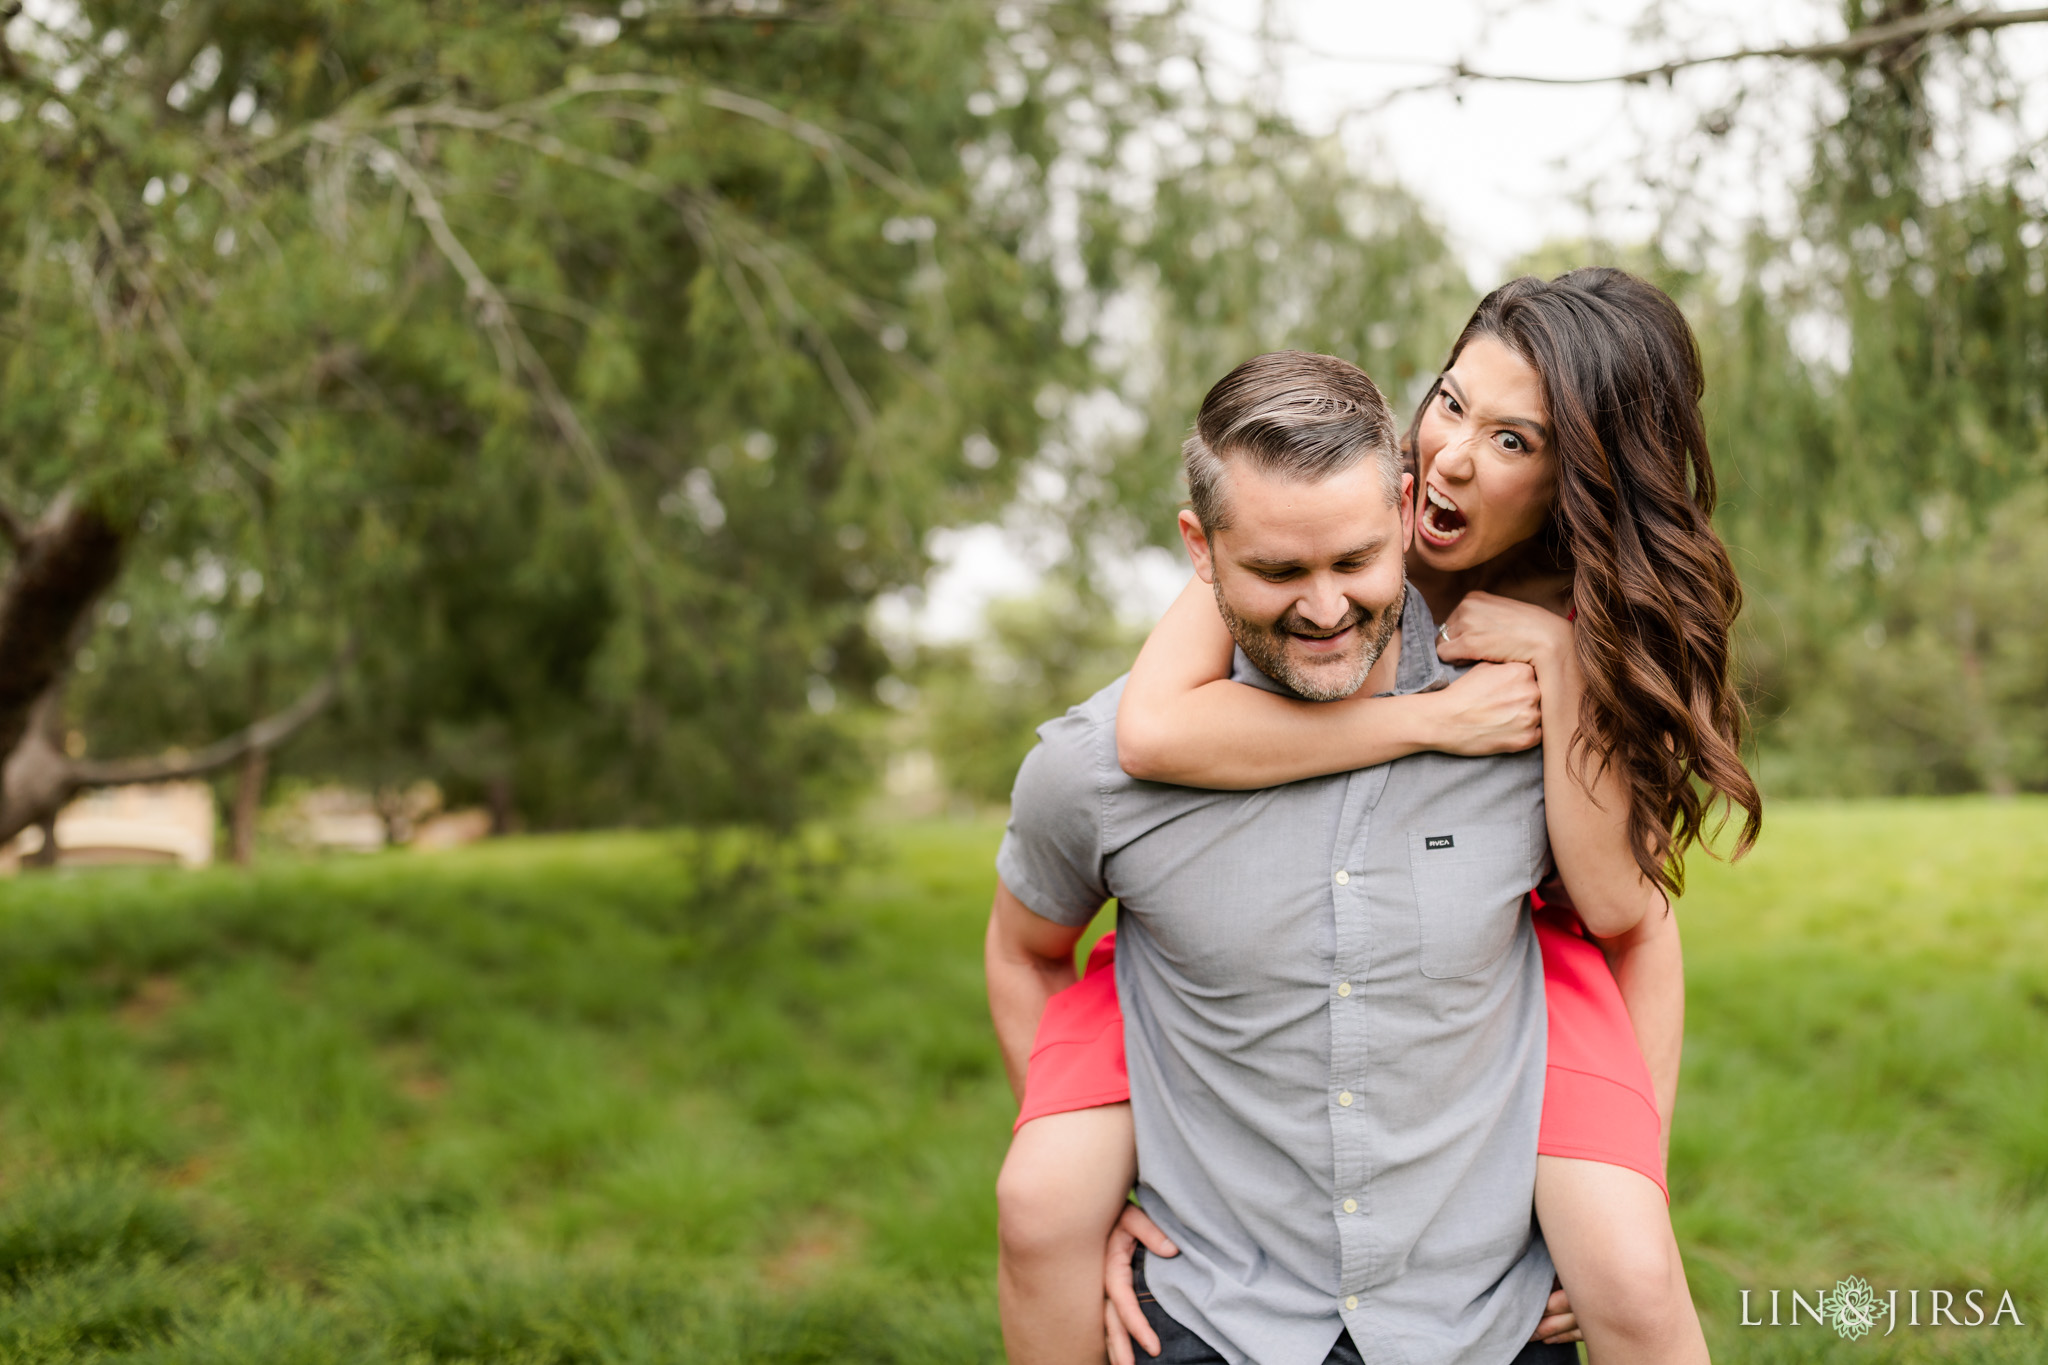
column 1511, row 442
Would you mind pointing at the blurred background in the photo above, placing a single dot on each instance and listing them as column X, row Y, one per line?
column 703, row 438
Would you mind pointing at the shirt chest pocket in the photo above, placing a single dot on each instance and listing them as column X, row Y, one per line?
column 1469, row 885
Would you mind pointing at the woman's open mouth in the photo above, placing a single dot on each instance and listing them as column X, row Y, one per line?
column 1442, row 523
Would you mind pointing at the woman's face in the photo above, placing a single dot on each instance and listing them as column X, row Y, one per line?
column 1486, row 471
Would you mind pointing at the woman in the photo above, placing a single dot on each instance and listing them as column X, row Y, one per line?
column 1563, row 494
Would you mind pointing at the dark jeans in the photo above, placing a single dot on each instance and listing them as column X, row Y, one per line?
column 1179, row 1346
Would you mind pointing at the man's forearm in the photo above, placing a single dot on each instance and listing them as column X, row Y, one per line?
column 1019, row 984
column 1649, row 966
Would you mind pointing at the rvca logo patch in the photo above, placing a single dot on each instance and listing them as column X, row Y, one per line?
column 1438, row 841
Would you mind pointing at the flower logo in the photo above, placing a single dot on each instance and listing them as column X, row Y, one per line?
column 1853, row 1308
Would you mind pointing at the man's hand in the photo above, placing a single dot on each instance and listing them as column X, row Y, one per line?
column 1493, row 709
column 1122, row 1318
column 1558, row 1324
column 1504, row 631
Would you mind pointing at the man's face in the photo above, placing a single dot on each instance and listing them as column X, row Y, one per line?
column 1307, row 574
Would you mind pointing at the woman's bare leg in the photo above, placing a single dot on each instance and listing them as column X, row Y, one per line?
column 1609, row 1231
column 1059, row 1194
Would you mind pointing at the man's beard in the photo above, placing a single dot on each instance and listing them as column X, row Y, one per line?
column 1265, row 644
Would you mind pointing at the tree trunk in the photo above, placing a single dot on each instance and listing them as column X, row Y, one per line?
column 1987, row 746
column 255, row 768
column 248, row 802
column 61, row 566
column 46, row 856
column 498, row 796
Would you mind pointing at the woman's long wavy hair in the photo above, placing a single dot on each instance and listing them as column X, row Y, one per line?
column 1655, row 593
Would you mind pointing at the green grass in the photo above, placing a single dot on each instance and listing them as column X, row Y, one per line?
column 610, row 1098
column 664, row 1098
column 1866, row 1078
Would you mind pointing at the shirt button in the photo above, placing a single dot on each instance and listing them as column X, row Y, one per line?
column 1351, row 1206
column 1344, row 1098
column 1343, row 877
column 1343, row 988
column 1351, row 1304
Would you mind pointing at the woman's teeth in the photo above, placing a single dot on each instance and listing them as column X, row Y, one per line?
column 1440, row 516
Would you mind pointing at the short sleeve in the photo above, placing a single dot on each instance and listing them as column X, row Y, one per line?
column 1051, row 858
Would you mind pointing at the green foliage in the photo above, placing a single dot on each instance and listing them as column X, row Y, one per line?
column 983, row 702
column 1881, row 476
column 597, row 373
column 1262, row 240
column 1939, row 685
column 594, row 372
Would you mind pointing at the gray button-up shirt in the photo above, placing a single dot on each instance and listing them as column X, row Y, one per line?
column 1333, row 1014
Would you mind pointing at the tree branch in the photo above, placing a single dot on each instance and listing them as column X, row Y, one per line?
column 189, row 35
column 320, row 367
column 731, row 250
column 1856, row 44
column 732, row 102
column 9, row 65
column 515, row 351
column 264, row 735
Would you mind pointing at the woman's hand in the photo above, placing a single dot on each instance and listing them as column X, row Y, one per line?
column 1492, row 709
column 1182, row 720
column 1502, row 630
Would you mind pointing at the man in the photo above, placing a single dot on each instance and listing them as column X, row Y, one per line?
column 1333, row 1002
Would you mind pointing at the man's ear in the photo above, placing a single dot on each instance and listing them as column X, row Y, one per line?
column 1407, row 512
column 1197, row 540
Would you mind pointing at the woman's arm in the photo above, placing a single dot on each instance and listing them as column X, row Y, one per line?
column 1588, row 825
column 1182, row 720
column 1649, row 966
column 1625, row 912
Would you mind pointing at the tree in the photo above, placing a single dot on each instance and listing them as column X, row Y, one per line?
column 983, row 701
column 590, row 370
column 1902, row 467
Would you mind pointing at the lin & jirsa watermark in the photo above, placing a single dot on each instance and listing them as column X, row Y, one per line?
column 1853, row 1308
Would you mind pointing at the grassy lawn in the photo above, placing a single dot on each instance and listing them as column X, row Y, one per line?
column 1866, row 1079
column 657, row 1098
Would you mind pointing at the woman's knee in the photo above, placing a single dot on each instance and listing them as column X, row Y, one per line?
column 1634, row 1287
column 1061, row 1187
column 1037, row 1213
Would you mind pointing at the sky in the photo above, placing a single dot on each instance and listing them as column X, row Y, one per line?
column 1500, row 164
column 1505, row 168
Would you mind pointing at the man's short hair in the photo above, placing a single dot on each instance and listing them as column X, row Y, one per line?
column 1290, row 413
